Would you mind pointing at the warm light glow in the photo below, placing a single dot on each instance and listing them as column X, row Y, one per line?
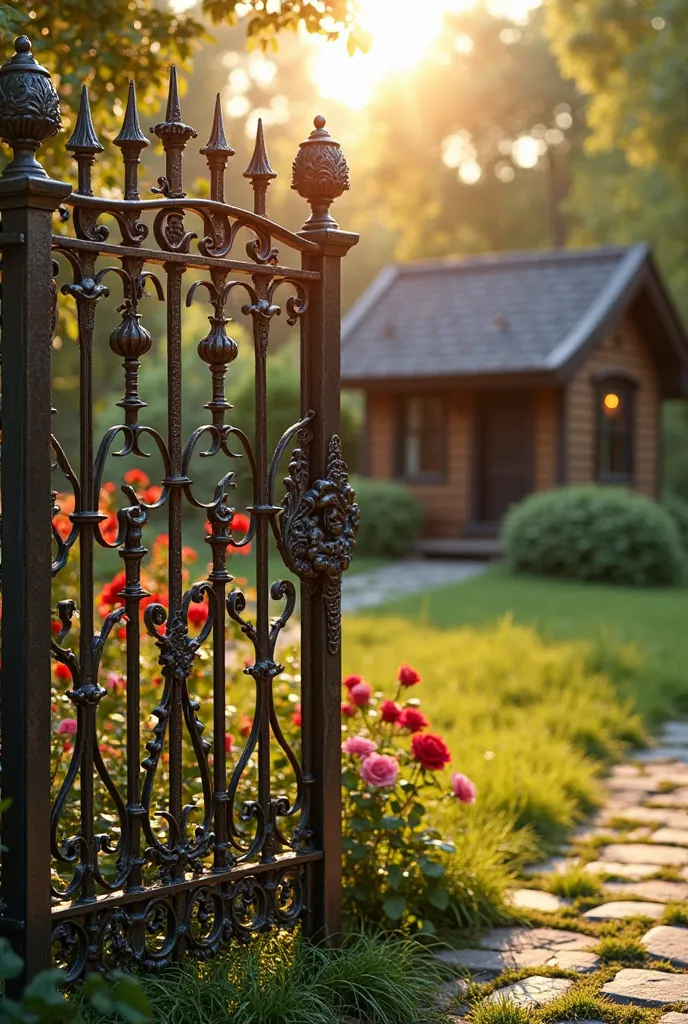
column 402, row 32
column 612, row 402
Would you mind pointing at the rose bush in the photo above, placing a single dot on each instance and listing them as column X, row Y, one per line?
column 395, row 860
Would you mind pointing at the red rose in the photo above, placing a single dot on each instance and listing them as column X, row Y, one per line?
column 136, row 476
column 408, row 676
column 296, row 716
column 352, row 681
column 389, row 711
column 245, row 725
column 62, row 672
column 430, row 751
column 198, row 613
column 229, row 742
column 413, row 720
column 348, row 710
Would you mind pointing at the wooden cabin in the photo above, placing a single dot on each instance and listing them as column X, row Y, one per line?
column 488, row 378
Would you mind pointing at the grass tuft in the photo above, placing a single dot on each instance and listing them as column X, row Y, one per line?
column 676, row 914
column 501, row 1011
column 623, row 950
column 573, row 883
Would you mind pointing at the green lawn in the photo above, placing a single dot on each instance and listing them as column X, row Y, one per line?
column 654, row 621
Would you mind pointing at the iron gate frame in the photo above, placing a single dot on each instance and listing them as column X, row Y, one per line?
column 314, row 527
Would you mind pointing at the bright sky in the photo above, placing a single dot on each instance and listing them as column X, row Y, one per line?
column 402, row 31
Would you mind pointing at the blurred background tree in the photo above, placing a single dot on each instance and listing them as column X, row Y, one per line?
column 468, row 126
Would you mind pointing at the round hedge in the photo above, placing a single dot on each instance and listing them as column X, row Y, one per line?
column 391, row 518
column 677, row 508
column 605, row 534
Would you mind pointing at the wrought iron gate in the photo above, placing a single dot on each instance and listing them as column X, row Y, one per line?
column 160, row 874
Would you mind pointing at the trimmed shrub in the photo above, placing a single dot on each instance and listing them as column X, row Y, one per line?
column 602, row 534
column 678, row 510
column 391, row 517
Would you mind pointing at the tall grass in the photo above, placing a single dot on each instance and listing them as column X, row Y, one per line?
column 281, row 980
column 532, row 723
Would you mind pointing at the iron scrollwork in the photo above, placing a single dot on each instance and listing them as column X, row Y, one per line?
column 318, row 527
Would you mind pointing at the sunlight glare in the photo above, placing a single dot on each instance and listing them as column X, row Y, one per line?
column 401, row 36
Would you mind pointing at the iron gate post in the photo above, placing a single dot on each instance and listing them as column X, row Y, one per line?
column 28, row 200
column 320, row 175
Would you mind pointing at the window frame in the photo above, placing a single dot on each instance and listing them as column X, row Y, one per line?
column 401, row 403
column 626, row 386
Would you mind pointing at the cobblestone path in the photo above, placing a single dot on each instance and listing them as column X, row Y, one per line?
column 604, row 932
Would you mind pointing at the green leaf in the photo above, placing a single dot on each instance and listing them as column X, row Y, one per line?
column 394, row 875
column 428, row 927
column 350, row 780
column 439, row 898
column 358, row 852
column 360, row 825
column 394, row 907
column 430, row 868
column 10, row 962
column 392, row 821
column 442, row 844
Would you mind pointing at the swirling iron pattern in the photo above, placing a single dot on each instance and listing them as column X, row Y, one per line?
column 220, row 831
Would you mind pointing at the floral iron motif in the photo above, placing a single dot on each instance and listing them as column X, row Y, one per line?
column 318, row 527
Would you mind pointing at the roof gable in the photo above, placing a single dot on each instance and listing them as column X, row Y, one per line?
column 502, row 313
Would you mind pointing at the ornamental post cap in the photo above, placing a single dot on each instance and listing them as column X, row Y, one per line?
column 320, row 174
column 23, row 59
column 29, row 110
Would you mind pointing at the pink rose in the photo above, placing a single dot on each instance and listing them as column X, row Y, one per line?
column 359, row 746
column 379, row 770
column 351, row 681
column 360, row 694
column 413, row 720
column 67, row 727
column 463, row 789
column 408, row 676
column 389, row 711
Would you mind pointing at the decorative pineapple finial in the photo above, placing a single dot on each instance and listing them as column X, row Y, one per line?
column 174, row 135
column 259, row 171
column 320, row 174
column 217, row 151
column 84, row 144
column 29, row 109
column 131, row 141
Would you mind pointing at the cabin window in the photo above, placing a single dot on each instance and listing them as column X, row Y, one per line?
column 421, row 445
column 615, row 421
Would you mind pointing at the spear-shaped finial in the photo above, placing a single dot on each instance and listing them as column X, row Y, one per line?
column 131, row 141
column 259, row 171
column 217, row 151
column 174, row 135
column 84, row 145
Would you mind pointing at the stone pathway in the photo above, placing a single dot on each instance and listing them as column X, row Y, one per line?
column 366, row 589
column 624, row 940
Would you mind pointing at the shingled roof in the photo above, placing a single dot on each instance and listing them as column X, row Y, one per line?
column 501, row 313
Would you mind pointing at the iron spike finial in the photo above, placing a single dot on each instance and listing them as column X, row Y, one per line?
column 29, row 110
column 84, row 144
column 174, row 135
column 259, row 170
column 217, row 151
column 320, row 174
column 131, row 141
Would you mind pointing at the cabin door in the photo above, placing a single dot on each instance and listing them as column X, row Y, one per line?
column 504, row 451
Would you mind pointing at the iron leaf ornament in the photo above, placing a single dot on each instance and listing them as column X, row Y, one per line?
column 318, row 527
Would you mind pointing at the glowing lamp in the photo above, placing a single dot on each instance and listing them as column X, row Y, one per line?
column 611, row 402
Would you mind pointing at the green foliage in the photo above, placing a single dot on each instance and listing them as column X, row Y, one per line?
column 388, row 980
column 677, row 508
column 619, row 949
column 596, row 534
column 391, row 517
column 43, row 1002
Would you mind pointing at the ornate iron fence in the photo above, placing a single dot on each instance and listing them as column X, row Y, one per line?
column 163, row 875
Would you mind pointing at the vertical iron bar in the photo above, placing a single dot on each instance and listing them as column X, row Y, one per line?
column 27, row 204
column 321, row 670
column 175, row 482
column 263, row 676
